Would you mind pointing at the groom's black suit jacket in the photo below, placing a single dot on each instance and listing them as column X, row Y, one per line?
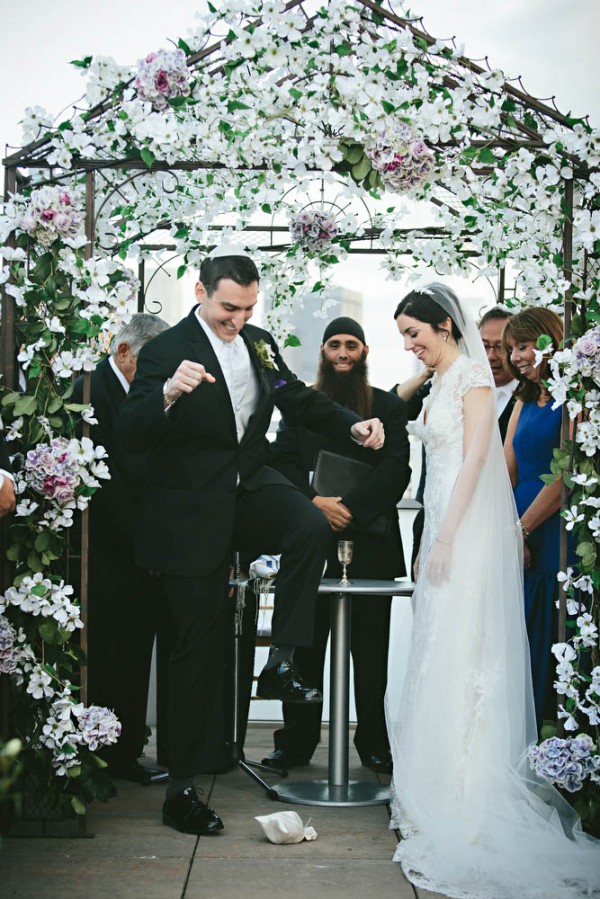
column 194, row 456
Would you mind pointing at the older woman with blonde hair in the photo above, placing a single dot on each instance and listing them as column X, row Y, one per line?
column 532, row 435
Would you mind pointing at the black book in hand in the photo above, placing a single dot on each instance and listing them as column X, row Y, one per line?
column 337, row 475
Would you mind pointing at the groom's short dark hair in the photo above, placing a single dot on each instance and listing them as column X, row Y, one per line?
column 240, row 269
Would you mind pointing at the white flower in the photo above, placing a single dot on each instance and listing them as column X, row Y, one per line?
column 572, row 516
column 563, row 652
column 88, row 416
column 39, row 683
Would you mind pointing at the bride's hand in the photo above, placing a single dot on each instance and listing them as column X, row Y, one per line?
column 437, row 567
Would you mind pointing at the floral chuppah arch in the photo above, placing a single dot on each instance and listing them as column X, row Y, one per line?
column 260, row 98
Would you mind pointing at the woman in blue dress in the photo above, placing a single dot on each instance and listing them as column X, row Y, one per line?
column 533, row 434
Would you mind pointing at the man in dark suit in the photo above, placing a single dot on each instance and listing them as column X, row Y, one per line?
column 343, row 376
column 491, row 327
column 201, row 404
column 124, row 602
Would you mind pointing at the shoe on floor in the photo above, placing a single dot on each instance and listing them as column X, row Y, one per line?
column 381, row 762
column 187, row 814
column 282, row 760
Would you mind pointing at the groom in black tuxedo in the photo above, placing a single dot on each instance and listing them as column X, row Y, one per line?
column 201, row 403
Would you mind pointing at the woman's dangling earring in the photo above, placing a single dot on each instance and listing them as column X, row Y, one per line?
column 445, row 335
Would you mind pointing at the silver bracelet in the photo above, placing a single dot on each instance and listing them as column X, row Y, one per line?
column 525, row 531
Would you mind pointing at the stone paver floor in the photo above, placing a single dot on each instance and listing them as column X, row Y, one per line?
column 128, row 853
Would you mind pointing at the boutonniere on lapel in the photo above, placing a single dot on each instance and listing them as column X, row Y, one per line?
column 265, row 354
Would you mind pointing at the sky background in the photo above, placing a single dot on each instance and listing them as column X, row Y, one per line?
column 551, row 43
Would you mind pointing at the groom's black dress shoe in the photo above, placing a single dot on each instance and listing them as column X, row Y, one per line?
column 285, row 682
column 187, row 814
column 140, row 774
column 282, row 760
column 381, row 762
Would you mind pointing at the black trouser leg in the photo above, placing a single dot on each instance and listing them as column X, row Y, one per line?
column 280, row 519
column 302, row 723
column 369, row 639
column 197, row 719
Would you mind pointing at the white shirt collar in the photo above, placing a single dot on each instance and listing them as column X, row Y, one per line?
column 119, row 374
column 508, row 389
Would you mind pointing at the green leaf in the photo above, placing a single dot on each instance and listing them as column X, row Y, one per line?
column 266, row 207
column 76, row 803
column 34, row 563
column 42, row 542
column 41, row 270
column 26, row 405
column 183, row 46
column 147, row 156
column 292, row 340
column 353, row 153
column 468, row 154
column 296, row 94
column 61, row 304
column 181, row 271
column 587, row 553
column 361, row 169
column 10, row 398
column 76, row 407
column 82, row 63
column 232, row 105
column 388, row 107
column 543, row 342
column 486, row 156
column 47, row 631
column 343, row 49
column 13, row 553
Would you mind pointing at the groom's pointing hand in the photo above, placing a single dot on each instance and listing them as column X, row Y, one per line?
column 187, row 377
column 370, row 433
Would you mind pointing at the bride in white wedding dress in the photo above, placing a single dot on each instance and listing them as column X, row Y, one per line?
column 476, row 822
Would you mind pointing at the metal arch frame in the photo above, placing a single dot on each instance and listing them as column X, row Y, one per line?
column 517, row 133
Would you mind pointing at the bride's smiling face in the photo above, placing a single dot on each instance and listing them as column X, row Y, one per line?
column 420, row 338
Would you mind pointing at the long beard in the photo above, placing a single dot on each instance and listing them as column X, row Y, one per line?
column 348, row 388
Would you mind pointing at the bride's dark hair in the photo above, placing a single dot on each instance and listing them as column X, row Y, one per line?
column 422, row 305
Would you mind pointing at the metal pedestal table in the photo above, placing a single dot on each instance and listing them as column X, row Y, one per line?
column 337, row 789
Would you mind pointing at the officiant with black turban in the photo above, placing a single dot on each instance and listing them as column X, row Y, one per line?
column 367, row 515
